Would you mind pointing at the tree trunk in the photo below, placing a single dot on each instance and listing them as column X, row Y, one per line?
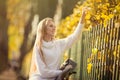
column 3, row 36
column 24, row 47
column 58, row 14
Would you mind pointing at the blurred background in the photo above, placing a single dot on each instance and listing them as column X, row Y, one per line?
column 18, row 23
column 96, row 47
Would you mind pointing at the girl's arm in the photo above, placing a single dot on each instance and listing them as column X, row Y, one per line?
column 67, row 42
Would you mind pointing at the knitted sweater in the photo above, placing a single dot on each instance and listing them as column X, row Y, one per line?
column 53, row 52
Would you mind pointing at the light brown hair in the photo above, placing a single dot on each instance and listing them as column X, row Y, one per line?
column 40, row 34
column 38, row 43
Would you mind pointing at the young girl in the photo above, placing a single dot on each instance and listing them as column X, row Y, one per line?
column 47, row 52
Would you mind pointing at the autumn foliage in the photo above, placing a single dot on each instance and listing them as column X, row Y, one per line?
column 101, row 11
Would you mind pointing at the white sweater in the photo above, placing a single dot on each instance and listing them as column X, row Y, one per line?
column 53, row 52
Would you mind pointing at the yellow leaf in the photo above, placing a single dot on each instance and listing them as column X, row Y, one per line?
column 89, row 67
column 88, row 16
column 99, row 55
column 88, row 60
column 94, row 50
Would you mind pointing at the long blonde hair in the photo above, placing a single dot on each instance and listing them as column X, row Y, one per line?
column 40, row 34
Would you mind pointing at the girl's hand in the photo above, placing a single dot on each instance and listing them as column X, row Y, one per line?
column 84, row 12
column 67, row 68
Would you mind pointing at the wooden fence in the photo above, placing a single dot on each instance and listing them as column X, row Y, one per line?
column 98, row 52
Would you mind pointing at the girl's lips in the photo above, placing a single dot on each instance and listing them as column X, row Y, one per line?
column 53, row 31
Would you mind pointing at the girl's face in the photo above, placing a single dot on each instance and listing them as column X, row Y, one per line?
column 50, row 29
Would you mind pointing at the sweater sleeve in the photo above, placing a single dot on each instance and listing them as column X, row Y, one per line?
column 43, row 70
column 67, row 42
